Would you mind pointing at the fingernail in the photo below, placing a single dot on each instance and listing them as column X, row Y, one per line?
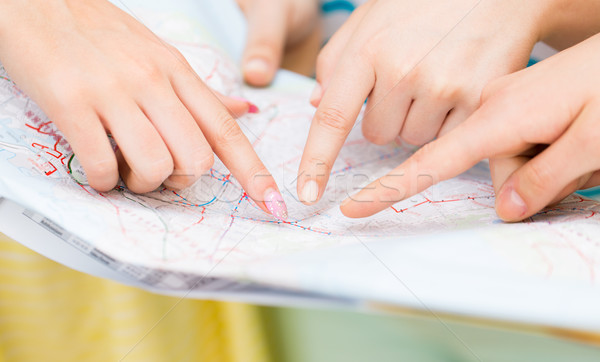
column 516, row 204
column 316, row 94
column 252, row 108
column 257, row 65
column 310, row 192
column 275, row 204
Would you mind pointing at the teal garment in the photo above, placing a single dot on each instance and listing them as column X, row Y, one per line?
column 593, row 193
column 338, row 5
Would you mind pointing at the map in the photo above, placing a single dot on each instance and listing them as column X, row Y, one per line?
column 451, row 229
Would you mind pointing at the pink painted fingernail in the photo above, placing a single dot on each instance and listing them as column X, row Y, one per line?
column 252, row 108
column 275, row 204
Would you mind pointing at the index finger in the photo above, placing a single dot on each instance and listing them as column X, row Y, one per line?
column 230, row 144
column 480, row 137
column 333, row 121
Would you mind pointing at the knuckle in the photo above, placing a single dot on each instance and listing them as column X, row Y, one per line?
column 321, row 164
column 204, row 162
column 102, row 174
column 444, row 89
column 155, row 172
column 228, row 131
column 175, row 52
column 333, row 119
column 178, row 182
column 407, row 73
column 376, row 42
column 391, row 192
column 255, row 176
column 147, row 72
column 257, row 171
column 401, row 71
column 103, row 168
column 186, row 174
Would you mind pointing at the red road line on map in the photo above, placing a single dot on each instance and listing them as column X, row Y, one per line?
column 116, row 208
column 427, row 201
column 195, row 223
column 213, row 71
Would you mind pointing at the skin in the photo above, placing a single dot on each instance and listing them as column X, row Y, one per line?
column 274, row 28
column 539, row 127
column 423, row 66
column 94, row 70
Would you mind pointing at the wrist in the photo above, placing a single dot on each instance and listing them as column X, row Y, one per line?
column 568, row 22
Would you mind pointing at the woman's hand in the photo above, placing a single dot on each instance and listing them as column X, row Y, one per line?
column 94, row 70
column 273, row 26
column 422, row 65
column 540, row 128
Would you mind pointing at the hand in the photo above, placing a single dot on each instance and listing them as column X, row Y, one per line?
column 94, row 70
column 422, row 65
column 274, row 25
column 540, row 128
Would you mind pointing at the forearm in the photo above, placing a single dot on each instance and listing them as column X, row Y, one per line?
column 572, row 21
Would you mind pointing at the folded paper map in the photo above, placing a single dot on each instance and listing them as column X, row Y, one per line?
column 444, row 250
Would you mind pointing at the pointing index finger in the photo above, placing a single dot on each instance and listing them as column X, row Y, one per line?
column 333, row 121
column 452, row 154
column 230, row 144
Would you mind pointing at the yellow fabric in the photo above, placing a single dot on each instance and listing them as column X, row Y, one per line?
column 51, row 313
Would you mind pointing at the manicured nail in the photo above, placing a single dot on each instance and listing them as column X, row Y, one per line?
column 275, row 204
column 316, row 94
column 252, row 108
column 257, row 65
column 310, row 192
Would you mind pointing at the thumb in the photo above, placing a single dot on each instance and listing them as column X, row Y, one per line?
column 266, row 40
column 550, row 176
